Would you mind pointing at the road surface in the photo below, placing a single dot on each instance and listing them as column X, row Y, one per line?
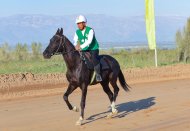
column 149, row 106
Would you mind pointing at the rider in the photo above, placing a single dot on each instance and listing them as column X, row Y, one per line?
column 85, row 40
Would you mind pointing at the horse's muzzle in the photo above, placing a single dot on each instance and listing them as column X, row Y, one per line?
column 46, row 55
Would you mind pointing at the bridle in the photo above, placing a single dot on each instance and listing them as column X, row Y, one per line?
column 62, row 43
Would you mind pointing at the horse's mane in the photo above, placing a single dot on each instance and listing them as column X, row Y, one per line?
column 70, row 45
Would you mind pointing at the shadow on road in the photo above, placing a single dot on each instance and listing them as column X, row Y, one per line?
column 125, row 109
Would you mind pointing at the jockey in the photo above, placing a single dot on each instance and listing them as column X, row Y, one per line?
column 85, row 40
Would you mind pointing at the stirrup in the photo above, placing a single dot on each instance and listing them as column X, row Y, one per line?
column 98, row 78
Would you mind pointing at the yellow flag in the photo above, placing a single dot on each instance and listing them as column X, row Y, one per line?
column 150, row 24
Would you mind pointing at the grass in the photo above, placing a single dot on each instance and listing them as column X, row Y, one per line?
column 127, row 59
column 34, row 66
column 144, row 58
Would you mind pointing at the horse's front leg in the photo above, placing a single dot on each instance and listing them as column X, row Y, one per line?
column 82, row 104
column 70, row 89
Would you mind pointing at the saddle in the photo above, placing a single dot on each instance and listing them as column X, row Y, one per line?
column 86, row 57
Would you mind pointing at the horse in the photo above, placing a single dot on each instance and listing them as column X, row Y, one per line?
column 79, row 75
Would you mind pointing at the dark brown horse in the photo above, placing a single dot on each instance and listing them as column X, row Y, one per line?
column 79, row 75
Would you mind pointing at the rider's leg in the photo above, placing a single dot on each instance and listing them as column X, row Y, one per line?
column 96, row 63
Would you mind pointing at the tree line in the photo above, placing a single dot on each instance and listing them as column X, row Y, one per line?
column 20, row 52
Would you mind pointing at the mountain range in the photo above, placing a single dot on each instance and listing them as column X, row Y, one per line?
column 109, row 30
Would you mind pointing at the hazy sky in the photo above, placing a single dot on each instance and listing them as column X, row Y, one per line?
column 108, row 7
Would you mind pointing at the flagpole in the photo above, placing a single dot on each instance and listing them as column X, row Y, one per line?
column 156, row 58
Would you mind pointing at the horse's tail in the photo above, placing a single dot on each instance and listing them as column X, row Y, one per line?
column 123, row 82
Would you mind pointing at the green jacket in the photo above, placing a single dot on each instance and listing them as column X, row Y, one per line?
column 82, row 38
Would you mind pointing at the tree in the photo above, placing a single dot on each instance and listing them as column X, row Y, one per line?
column 21, row 51
column 36, row 50
column 5, row 52
column 183, row 43
column 180, row 46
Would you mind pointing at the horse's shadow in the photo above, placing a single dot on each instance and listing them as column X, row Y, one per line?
column 125, row 109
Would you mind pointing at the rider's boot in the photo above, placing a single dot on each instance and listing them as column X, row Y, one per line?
column 97, row 70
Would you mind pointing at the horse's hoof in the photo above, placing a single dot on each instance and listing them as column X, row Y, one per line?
column 115, row 112
column 76, row 109
column 109, row 116
column 79, row 122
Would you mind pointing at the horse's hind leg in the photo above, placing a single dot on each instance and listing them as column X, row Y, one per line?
column 113, row 82
column 107, row 90
column 70, row 89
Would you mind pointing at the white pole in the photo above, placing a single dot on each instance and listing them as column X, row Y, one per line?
column 156, row 59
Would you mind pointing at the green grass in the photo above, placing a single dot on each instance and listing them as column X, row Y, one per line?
column 144, row 58
column 127, row 59
column 34, row 66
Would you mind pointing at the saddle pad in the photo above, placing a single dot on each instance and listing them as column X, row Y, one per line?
column 88, row 61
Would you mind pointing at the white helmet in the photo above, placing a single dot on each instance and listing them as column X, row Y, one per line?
column 80, row 19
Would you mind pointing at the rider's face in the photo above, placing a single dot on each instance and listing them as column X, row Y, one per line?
column 81, row 25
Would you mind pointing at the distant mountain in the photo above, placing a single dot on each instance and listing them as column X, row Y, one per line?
column 108, row 29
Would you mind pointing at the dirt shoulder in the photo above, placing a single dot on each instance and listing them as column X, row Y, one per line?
column 28, row 84
column 173, row 72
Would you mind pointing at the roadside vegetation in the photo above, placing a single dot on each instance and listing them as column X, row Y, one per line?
column 183, row 43
column 25, row 58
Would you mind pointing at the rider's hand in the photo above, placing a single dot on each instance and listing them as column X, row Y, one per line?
column 77, row 47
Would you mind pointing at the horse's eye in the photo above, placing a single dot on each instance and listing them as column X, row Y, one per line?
column 57, row 40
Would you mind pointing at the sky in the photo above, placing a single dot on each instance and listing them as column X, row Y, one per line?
column 118, row 8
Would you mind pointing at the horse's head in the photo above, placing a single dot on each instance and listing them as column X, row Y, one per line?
column 56, row 44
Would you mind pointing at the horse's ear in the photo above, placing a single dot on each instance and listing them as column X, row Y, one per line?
column 61, row 32
column 58, row 31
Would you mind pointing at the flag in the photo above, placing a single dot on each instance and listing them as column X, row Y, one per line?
column 150, row 23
